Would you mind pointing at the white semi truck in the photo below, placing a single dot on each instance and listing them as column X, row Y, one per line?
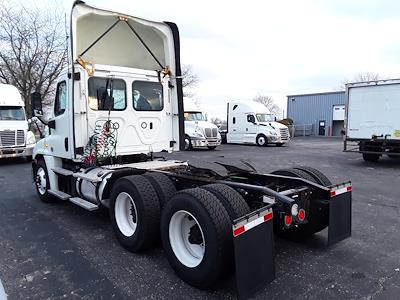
column 199, row 133
column 372, row 123
column 252, row 123
column 118, row 102
column 16, row 140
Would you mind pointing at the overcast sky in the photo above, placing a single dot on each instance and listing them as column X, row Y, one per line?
column 243, row 48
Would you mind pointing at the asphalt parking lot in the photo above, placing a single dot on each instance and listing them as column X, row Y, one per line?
column 61, row 251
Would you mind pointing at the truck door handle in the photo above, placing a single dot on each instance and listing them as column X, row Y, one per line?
column 247, row 129
column 151, row 125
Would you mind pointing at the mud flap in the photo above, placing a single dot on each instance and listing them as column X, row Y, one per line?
column 339, row 215
column 253, row 239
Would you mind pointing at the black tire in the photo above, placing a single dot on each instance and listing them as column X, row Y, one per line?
column 44, row 195
column 261, row 140
column 216, row 228
column 211, row 147
column 317, row 215
column 371, row 157
column 147, row 210
column 279, row 144
column 188, row 143
column 295, row 173
column 163, row 186
column 233, row 202
column 317, row 175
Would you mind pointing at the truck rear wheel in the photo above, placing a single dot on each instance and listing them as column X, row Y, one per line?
column 233, row 202
column 370, row 157
column 135, row 213
column 42, row 182
column 261, row 140
column 163, row 186
column 317, row 215
column 197, row 238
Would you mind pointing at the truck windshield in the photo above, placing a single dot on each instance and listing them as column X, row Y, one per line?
column 195, row 116
column 265, row 117
column 15, row 113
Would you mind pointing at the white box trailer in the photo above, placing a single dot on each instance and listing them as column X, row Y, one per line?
column 372, row 119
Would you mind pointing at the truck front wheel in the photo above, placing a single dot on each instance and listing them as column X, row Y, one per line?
column 135, row 213
column 42, row 183
column 261, row 140
column 197, row 238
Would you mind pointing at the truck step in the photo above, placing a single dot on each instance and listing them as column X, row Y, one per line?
column 88, row 177
column 83, row 203
column 62, row 171
column 60, row 195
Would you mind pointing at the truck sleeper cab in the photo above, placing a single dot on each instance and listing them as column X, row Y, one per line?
column 99, row 153
column 252, row 123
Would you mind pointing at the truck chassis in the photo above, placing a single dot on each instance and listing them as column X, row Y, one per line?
column 207, row 219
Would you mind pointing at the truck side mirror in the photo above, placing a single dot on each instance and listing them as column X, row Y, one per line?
column 36, row 101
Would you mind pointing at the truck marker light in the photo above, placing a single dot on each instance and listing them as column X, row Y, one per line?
column 252, row 224
column 302, row 214
column 288, row 220
column 349, row 188
column 294, row 210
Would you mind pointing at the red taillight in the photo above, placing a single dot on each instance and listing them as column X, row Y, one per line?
column 288, row 220
column 268, row 216
column 349, row 188
column 333, row 193
column 301, row 215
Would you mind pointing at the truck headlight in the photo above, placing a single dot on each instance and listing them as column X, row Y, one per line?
column 30, row 138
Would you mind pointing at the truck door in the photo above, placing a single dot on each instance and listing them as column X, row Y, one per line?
column 59, row 139
column 250, row 129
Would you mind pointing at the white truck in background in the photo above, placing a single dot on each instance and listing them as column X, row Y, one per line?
column 199, row 133
column 15, row 138
column 372, row 122
column 252, row 123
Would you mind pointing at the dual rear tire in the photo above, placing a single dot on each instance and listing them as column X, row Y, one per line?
column 195, row 224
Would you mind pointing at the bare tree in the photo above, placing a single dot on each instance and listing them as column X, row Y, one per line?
column 269, row 102
column 33, row 49
column 362, row 77
column 189, row 80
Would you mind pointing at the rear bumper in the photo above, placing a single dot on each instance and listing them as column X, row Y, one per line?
column 16, row 151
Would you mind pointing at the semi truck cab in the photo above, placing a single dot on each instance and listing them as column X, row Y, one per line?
column 16, row 140
column 252, row 123
column 199, row 133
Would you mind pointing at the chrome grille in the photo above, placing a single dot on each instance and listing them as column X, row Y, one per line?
column 211, row 132
column 20, row 137
column 7, row 138
column 284, row 133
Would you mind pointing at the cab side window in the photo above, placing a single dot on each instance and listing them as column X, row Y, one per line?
column 61, row 99
column 251, row 119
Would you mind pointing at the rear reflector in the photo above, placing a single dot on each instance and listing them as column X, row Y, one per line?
column 344, row 189
column 288, row 220
column 302, row 214
column 253, row 223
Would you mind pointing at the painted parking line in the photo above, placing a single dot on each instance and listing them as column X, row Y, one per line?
column 3, row 295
